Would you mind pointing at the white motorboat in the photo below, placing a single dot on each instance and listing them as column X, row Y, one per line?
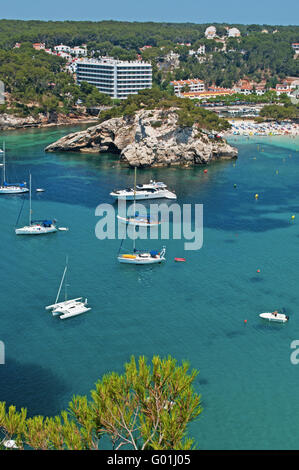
column 10, row 188
column 67, row 308
column 36, row 227
column 139, row 256
column 274, row 316
column 151, row 193
column 151, row 190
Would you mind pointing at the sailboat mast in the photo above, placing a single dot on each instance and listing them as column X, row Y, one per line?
column 135, row 172
column 30, row 211
column 65, row 285
column 61, row 283
column 4, row 172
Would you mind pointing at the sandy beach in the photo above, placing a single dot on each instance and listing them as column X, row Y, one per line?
column 247, row 128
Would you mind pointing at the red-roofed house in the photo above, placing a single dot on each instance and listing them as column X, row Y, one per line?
column 39, row 46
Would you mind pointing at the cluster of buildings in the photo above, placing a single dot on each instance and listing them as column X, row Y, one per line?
column 211, row 32
column 195, row 88
column 61, row 50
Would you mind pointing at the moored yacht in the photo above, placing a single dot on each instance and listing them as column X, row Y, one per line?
column 143, row 257
column 143, row 193
column 36, row 227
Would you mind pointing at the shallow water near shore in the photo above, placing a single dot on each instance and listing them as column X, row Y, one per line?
column 193, row 310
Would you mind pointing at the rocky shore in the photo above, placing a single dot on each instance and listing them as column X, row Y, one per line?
column 10, row 122
column 149, row 138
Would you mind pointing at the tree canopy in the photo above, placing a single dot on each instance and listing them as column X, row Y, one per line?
column 149, row 406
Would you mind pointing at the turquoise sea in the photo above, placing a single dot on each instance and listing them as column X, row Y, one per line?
column 193, row 310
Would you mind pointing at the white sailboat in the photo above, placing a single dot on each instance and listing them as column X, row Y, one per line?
column 36, row 227
column 10, row 188
column 140, row 256
column 67, row 308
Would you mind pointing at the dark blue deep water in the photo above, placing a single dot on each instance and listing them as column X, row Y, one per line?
column 193, row 310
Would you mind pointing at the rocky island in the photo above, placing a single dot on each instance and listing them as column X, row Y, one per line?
column 149, row 138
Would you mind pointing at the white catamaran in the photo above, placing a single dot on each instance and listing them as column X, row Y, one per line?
column 36, row 227
column 67, row 308
column 140, row 256
column 10, row 188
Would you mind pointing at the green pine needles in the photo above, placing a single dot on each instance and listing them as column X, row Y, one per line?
column 149, row 406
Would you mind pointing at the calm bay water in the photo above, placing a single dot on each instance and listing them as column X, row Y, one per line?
column 193, row 310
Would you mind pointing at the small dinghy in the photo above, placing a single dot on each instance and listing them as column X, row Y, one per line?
column 40, row 190
column 275, row 316
column 180, row 260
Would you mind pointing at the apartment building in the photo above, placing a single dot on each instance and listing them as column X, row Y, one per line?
column 116, row 78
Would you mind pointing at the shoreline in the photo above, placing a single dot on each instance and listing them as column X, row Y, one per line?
column 41, row 125
column 251, row 128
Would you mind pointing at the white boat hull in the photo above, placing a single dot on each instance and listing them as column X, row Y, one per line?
column 136, row 259
column 13, row 190
column 142, row 195
column 74, row 311
column 66, row 303
column 280, row 317
column 69, row 308
column 136, row 222
column 35, row 230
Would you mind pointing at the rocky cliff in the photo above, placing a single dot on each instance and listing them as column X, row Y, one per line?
column 150, row 138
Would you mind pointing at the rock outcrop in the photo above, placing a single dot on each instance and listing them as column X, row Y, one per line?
column 9, row 121
column 150, row 138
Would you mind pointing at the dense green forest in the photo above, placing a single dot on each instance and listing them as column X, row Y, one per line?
column 128, row 35
column 38, row 82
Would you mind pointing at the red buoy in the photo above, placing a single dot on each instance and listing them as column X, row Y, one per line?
column 258, row 270
column 205, row 171
column 180, row 259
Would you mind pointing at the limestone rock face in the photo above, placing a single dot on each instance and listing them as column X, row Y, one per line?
column 8, row 121
column 150, row 138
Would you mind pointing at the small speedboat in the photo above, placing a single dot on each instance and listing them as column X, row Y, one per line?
column 275, row 316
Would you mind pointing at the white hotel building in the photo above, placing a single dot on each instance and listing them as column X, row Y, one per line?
column 116, row 78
